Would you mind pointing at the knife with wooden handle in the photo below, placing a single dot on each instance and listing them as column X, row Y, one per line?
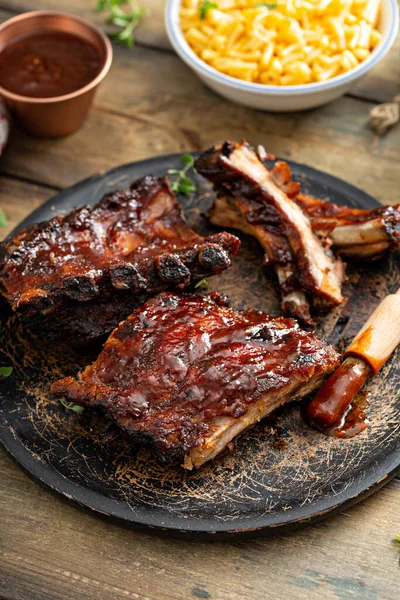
column 367, row 353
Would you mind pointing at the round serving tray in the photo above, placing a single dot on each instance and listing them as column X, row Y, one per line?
column 280, row 474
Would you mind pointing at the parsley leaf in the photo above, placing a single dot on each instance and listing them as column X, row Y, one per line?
column 6, row 371
column 397, row 538
column 187, row 159
column 71, row 406
column 203, row 283
column 183, row 184
column 3, row 218
column 205, row 6
column 127, row 20
column 270, row 5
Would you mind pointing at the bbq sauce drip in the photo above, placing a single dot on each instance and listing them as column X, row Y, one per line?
column 337, row 410
column 47, row 64
column 354, row 421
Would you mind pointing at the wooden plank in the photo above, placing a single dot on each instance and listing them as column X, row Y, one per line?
column 150, row 31
column 161, row 107
column 52, row 551
column 381, row 85
column 18, row 199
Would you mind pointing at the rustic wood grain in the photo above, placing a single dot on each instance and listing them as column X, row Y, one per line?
column 140, row 114
column 19, row 198
column 55, row 551
column 152, row 104
column 150, row 31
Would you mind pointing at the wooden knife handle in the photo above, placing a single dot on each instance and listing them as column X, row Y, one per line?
column 380, row 335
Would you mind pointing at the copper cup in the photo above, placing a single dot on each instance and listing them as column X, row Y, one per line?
column 61, row 115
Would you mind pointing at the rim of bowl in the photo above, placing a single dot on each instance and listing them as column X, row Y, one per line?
column 186, row 53
column 104, row 70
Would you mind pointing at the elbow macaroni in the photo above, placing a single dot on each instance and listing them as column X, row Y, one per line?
column 282, row 42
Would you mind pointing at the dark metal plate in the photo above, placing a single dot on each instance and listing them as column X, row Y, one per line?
column 280, row 474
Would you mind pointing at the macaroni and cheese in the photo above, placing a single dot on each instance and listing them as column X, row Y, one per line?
column 287, row 42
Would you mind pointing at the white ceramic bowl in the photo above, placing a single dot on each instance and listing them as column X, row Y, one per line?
column 281, row 98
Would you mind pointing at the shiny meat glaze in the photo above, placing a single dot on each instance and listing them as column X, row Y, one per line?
column 264, row 198
column 79, row 275
column 225, row 212
column 179, row 364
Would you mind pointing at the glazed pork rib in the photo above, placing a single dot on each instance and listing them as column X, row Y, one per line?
column 186, row 374
column 308, row 272
column 278, row 253
column 354, row 233
column 76, row 277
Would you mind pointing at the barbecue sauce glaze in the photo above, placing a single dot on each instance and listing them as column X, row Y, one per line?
column 47, row 64
column 180, row 362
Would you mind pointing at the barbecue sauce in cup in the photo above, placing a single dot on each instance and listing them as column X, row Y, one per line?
column 48, row 63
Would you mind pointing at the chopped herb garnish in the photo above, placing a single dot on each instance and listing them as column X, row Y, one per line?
column 205, row 6
column 183, row 184
column 71, row 406
column 203, row 283
column 3, row 218
column 397, row 538
column 6, row 371
column 270, row 5
column 127, row 20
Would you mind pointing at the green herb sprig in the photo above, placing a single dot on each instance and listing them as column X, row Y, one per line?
column 71, row 406
column 6, row 371
column 3, row 218
column 397, row 538
column 205, row 6
column 203, row 283
column 270, row 5
column 127, row 20
column 183, row 184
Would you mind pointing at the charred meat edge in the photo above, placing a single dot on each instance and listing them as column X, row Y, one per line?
column 238, row 168
column 89, row 389
column 86, row 303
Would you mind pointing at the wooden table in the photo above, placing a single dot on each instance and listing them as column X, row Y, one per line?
column 152, row 104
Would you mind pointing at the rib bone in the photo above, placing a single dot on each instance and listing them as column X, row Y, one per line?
column 263, row 199
column 354, row 232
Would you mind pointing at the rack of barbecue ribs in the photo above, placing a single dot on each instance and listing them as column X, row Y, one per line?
column 185, row 374
column 299, row 233
column 78, row 276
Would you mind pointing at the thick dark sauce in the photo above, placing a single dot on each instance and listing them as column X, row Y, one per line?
column 47, row 64
column 338, row 408
column 354, row 421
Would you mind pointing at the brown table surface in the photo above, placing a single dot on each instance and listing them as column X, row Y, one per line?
column 152, row 104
